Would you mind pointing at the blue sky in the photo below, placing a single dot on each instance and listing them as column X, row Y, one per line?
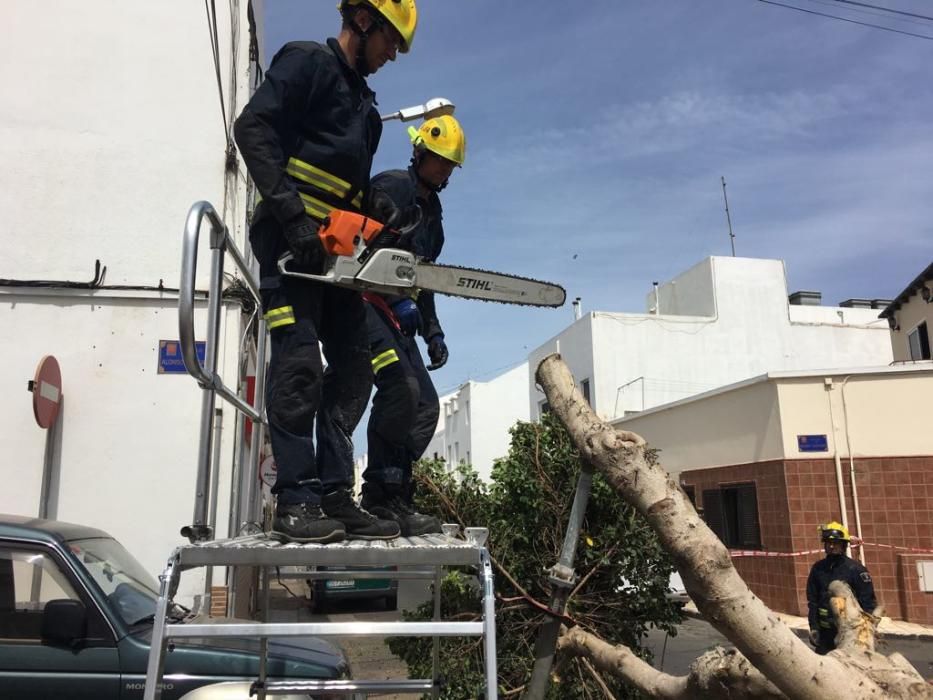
column 598, row 132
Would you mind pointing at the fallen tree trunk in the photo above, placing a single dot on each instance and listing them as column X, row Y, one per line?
column 712, row 581
column 716, row 674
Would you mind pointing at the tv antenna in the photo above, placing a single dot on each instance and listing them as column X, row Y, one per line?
column 728, row 218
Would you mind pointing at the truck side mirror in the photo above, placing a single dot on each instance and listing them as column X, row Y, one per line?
column 64, row 622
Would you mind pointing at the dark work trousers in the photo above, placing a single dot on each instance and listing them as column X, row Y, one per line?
column 827, row 640
column 405, row 407
column 298, row 389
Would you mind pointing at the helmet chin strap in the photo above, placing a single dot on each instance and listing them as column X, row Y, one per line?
column 416, row 162
column 361, row 64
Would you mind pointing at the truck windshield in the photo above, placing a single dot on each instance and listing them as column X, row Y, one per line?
column 131, row 590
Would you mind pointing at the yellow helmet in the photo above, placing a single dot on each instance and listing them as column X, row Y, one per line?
column 834, row 531
column 441, row 135
column 401, row 14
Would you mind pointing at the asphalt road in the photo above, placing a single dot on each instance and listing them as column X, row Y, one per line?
column 697, row 636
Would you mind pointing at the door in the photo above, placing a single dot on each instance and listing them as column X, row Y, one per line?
column 30, row 667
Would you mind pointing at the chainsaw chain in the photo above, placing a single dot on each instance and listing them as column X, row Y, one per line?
column 492, row 272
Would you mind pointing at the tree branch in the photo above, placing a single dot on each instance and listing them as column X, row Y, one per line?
column 620, row 661
column 530, row 599
column 703, row 561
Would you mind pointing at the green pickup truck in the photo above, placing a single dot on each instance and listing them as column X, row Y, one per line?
column 76, row 617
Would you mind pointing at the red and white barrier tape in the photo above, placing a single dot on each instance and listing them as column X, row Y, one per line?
column 735, row 553
column 753, row 553
column 918, row 550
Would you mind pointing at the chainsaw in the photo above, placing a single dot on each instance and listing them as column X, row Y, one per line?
column 361, row 256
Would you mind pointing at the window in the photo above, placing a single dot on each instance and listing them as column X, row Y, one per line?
column 732, row 513
column 466, row 413
column 585, row 390
column 543, row 407
column 468, row 458
column 450, row 456
column 691, row 492
column 28, row 580
column 918, row 342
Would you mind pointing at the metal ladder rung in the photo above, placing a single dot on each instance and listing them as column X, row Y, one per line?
column 412, row 685
column 326, row 629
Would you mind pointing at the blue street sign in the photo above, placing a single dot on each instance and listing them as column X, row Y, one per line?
column 170, row 359
column 812, row 443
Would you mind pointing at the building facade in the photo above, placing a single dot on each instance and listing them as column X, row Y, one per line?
column 768, row 460
column 475, row 420
column 109, row 132
column 910, row 317
column 722, row 321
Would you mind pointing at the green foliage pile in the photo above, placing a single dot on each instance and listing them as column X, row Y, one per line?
column 622, row 570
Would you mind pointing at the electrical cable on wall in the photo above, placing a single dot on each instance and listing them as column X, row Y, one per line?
column 236, row 291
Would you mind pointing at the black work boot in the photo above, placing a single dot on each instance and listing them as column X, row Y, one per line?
column 305, row 522
column 390, row 502
column 360, row 524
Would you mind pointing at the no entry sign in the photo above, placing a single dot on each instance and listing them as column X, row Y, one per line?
column 47, row 392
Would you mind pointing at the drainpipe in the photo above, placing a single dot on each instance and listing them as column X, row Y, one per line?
column 828, row 383
column 858, row 515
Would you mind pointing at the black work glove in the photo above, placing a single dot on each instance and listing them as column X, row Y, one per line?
column 301, row 234
column 437, row 351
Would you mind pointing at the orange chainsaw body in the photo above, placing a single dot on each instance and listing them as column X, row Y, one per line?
column 342, row 231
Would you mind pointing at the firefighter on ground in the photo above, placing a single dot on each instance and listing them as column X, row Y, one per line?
column 308, row 136
column 835, row 567
column 405, row 407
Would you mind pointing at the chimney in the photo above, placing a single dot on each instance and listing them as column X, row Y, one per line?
column 577, row 309
column 856, row 304
column 803, row 298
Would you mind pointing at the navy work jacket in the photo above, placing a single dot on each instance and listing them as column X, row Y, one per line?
column 830, row 569
column 426, row 241
column 308, row 134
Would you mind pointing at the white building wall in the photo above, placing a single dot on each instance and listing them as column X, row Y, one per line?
column 475, row 420
column 575, row 345
column 494, row 408
column 109, row 131
column 645, row 360
column 862, row 412
column 437, row 448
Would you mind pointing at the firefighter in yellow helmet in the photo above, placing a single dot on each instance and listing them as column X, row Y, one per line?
column 405, row 406
column 835, row 567
column 392, row 20
column 308, row 136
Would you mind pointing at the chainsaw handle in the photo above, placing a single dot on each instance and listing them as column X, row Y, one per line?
column 393, row 238
column 289, row 257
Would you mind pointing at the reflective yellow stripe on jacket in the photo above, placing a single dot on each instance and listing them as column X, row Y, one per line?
column 322, row 180
column 384, row 359
column 281, row 316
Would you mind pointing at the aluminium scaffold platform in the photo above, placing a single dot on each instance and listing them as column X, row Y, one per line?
column 434, row 552
column 431, row 551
